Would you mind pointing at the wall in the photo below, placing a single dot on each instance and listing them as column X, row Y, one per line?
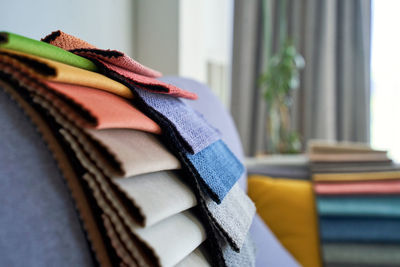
column 105, row 23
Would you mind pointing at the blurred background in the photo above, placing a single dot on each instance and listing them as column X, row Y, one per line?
column 289, row 71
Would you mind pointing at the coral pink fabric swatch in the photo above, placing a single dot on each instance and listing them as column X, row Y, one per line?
column 110, row 111
column 354, row 188
column 118, row 62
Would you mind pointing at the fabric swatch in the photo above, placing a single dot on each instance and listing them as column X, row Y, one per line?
column 226, row 218
column 69, row 42
column 288, row 208
column 86, row 110
column 195, row 259
column 59, row 72
column 87, row 215
column 208, row 104
column 26, row 45
column 158, row 195
column 119, row 63
column 183, row 230
column 205, row 135
column 356, row 188
column 109, row 110
column 354, row 253
column 359, row 206
column 356, row 176
column 45, row 194
column 341, row 229
column 193, row 131
column 138, row 152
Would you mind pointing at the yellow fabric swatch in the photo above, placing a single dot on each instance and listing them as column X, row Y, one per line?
column 73, row 75
column 355, row 176
column 288, row 208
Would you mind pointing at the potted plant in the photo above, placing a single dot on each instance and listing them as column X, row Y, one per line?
column 278, row 83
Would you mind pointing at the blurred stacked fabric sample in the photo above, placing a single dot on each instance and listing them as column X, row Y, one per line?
column 152, row 180
column 358, row 201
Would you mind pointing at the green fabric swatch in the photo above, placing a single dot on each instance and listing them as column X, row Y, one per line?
column 356, row 206
column 23, row 44
column 361, row 254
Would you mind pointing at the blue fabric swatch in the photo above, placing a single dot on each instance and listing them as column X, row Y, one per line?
column 218, row 168
column 355, row 206
column 190, row 127
column 360, row 230
column 213, row 165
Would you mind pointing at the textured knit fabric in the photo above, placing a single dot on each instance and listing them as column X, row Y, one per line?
column 361, row 254
column 193, row 131
column 339, row 229
column 42, row 49
column 69, row 42
column 217, row 168
column 174, row 115
column 59, row 72
column 357, row 188
column 208, row 104
column 118, row 62
column 37, row 213
column 246, row 257
column 357, row 206
column 288, row 208
column 158, row 195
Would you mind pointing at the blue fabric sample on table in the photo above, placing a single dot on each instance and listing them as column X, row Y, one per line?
column 214, row 165
column 341, row 229
column 355, row 206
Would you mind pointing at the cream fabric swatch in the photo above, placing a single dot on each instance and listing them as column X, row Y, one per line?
column 195, row 259
column 174, row 238
column 158, row 195
column 138, row 152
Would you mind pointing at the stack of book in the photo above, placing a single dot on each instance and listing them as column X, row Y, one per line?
column 358, row 201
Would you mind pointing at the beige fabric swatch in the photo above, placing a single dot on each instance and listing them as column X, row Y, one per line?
column 174, row 238
column 195, row 259
column 158, row 195
column 138, row 152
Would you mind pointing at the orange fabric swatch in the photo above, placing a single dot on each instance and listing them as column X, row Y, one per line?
column 110, row 110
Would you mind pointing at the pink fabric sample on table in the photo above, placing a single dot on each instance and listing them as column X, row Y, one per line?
column 110, row 111
column 118, row 62
column 354, row 188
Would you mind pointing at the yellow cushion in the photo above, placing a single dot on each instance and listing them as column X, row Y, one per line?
column 287, row 206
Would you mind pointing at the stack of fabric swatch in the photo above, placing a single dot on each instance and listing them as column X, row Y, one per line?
column 152, row 180
column 358, row 202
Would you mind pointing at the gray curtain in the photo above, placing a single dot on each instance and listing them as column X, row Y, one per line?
column 333, row 36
